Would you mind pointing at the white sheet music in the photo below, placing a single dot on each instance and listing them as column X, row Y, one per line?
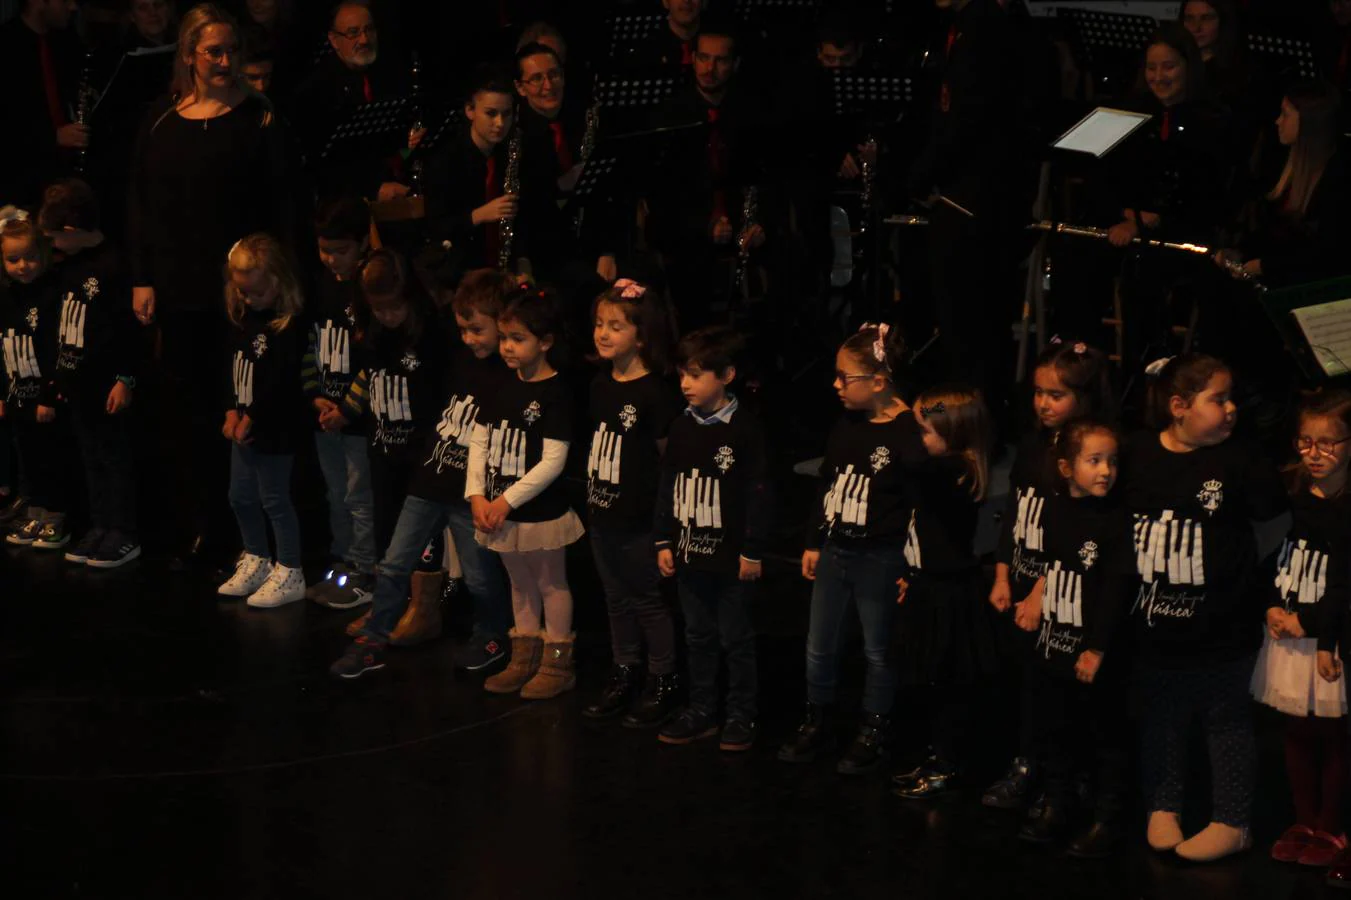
column 1100, row 131
column 1327, row 328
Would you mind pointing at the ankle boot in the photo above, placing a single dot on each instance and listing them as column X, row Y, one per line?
column 1045, row 827
column 815, row 735
column 658, row 703
column 618, row 694
column 868, row 747
column 526, row 650
column 555, row 673
column 421, row 621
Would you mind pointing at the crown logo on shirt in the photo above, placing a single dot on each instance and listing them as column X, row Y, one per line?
column 628, row 416
column 350, row 312
column 531, row 413
column 410, row 362
column 1088, row 554
column 32, row 318
column 259, row 346
column 91, row 288
column 724, row 459
column 1211, row 496
column 880, row 459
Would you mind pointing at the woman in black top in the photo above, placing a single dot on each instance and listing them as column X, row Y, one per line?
column 207, row 170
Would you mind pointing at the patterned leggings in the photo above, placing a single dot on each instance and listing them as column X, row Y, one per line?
column 1218, row 696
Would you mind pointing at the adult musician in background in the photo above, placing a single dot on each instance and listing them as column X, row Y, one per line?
column 1229, row 77
column 1305, row 224
column 694, row 198
column 150, row 23
column 211, row 165
column 672, row 46
column 1171, row 181
column 968, row 160
column 272, row 24
column 553, row 127
column 43, row 59
column 354, row 74
column 464, row 179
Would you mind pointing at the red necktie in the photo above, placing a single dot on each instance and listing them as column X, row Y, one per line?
column 561, row 149
column 366, row 90
column 686, row 55
column 953, row 34
column 49, row 84
column 1165, row 127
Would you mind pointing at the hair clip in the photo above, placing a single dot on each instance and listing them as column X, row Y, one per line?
column 630, row 289
column 936, row 410
column 1155, row 369
column 1080, row 348
column 1055, row 339
column 12, row 214
column 879, row 345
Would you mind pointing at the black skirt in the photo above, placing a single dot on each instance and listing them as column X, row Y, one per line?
column 946, row 631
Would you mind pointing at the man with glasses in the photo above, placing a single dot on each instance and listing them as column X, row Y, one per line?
column 353, row 75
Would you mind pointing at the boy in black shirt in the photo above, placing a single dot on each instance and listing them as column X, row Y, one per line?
column 711, row 522
column 338, row 314
column 97, row 360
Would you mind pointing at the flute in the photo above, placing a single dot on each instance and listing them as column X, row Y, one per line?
column 1233, row 267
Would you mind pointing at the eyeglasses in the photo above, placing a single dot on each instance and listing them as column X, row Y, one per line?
column 1324, row 446
column 536, row 81
column 845, row 378
column 353, row 33
column 218, row 52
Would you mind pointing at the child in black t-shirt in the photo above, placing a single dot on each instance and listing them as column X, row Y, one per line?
column 945, row 639
column 264, row 303
column 29, row 311
column 406, row 606
column 1194, row 492
column 853, row 549
column 517, row 452
column 97, row 360
column 632, row 407
column 1298, row 672
column 338, row 316
column 711, row 523
column 1086, row 556
column 1070, row 381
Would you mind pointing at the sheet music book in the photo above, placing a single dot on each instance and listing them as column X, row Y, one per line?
column 1327, row 328
column 1100, row 131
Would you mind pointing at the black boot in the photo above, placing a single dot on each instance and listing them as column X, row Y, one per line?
column 1045, row 827
column 658, row 702
column 816, row 735
column 868, row 747
column 617, row 696
column 1011, row 791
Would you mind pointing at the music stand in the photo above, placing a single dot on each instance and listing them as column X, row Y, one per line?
column 634, row 91
column 874, row 95
column 775, row 13
column 596, row 174
column 377, row 119
column 628, row 32
column 1107, row 38
column 441, row 125
column 1296, row 311
column 1286, row 56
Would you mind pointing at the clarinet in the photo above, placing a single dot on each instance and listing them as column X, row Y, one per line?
column 414, row 158
column 511, row 184
column 749, row 210
column 588, row 148
column 868, row 176
column 83, row 95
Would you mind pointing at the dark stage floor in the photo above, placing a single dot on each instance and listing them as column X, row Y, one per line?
column 159, row 744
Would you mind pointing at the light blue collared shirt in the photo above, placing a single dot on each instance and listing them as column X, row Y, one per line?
column 723, row 415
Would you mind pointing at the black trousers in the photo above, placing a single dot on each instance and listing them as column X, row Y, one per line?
column 1079, row 727
column 47, row 455
column 109, row 466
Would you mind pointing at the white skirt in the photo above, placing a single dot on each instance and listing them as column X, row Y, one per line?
column 1286, row 678
column 524, row 537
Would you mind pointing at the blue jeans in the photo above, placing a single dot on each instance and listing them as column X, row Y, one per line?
column 109, row 473
column 419, row 521
column 260, row 492
column 865, row 580
column 351, row 504
column 716, row 616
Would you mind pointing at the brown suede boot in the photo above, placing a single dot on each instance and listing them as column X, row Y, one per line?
column 354, row 627
column 422, row 619
column 555, row 674
column 526, row 650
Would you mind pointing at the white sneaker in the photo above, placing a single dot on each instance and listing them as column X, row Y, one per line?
column 284, row 585
column 250, row 573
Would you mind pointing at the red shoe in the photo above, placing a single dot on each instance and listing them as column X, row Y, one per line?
column 1290, row 846
column 1322, row 849
column 1339, row 876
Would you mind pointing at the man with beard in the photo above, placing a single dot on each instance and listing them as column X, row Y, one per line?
column 694, row 198
column 353, row 75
